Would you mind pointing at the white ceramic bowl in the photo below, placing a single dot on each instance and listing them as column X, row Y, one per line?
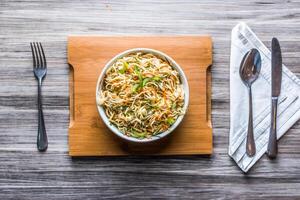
column 184, row 82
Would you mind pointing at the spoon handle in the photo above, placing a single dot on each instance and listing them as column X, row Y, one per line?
column 250, row 144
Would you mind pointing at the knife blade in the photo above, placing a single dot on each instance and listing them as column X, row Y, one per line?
column 276, row 61
column 276, row 68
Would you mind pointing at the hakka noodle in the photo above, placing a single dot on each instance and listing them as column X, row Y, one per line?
column 142, row 95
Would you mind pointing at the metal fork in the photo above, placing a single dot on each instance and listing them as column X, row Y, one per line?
column 40, row 71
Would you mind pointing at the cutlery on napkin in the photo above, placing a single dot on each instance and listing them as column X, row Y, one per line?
column 276, row 63
column 242, row 40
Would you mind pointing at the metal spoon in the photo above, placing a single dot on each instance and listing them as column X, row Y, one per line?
column 249, row 71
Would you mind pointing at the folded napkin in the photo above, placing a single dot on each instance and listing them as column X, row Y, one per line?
column 242, row 40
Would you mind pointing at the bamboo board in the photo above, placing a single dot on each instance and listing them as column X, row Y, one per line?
column 88, row 135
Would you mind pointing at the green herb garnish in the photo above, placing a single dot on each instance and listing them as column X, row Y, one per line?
column 156, row 78
column 135, row 88
column 170, row 121
column 137, row 134
column 145, row 81
column 173, row 106
column 124, row 68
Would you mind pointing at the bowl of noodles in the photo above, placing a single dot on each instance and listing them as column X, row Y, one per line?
column 142, row 95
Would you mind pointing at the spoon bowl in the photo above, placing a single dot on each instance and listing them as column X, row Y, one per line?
column 249, row 71
column 250, row 67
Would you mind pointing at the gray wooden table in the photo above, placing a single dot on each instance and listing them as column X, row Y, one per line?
column 28, row 174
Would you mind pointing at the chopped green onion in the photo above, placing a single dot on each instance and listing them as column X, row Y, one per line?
column 137, row 134
column 126, row 65
column 145, row 81
column 141, row 79
column 124, row 68
column 170, row 121
column 173, row 106
column 156, row 78
column 136, row 69
column 122, row 71
column 135, row 88
column 138, row 72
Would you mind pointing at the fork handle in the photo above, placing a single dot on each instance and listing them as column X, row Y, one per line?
column 42, row 139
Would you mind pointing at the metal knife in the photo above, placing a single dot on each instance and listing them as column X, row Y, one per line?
column 276, row 87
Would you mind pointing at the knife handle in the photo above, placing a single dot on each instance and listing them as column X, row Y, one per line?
column 272, row 146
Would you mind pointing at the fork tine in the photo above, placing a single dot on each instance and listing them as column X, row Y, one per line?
column 39, row 56
column 33, row 55
column 44, row 57
column 36, row 55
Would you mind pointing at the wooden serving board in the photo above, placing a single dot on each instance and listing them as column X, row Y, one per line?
column 88, row 135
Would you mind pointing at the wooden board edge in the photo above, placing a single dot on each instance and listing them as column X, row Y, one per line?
column 209, row 93
column 71, row 96
column 132, row 35
column 75, row 154
column 209, row 84
column 208, row 96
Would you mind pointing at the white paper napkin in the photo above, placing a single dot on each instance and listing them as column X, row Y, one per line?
column 242, row 40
